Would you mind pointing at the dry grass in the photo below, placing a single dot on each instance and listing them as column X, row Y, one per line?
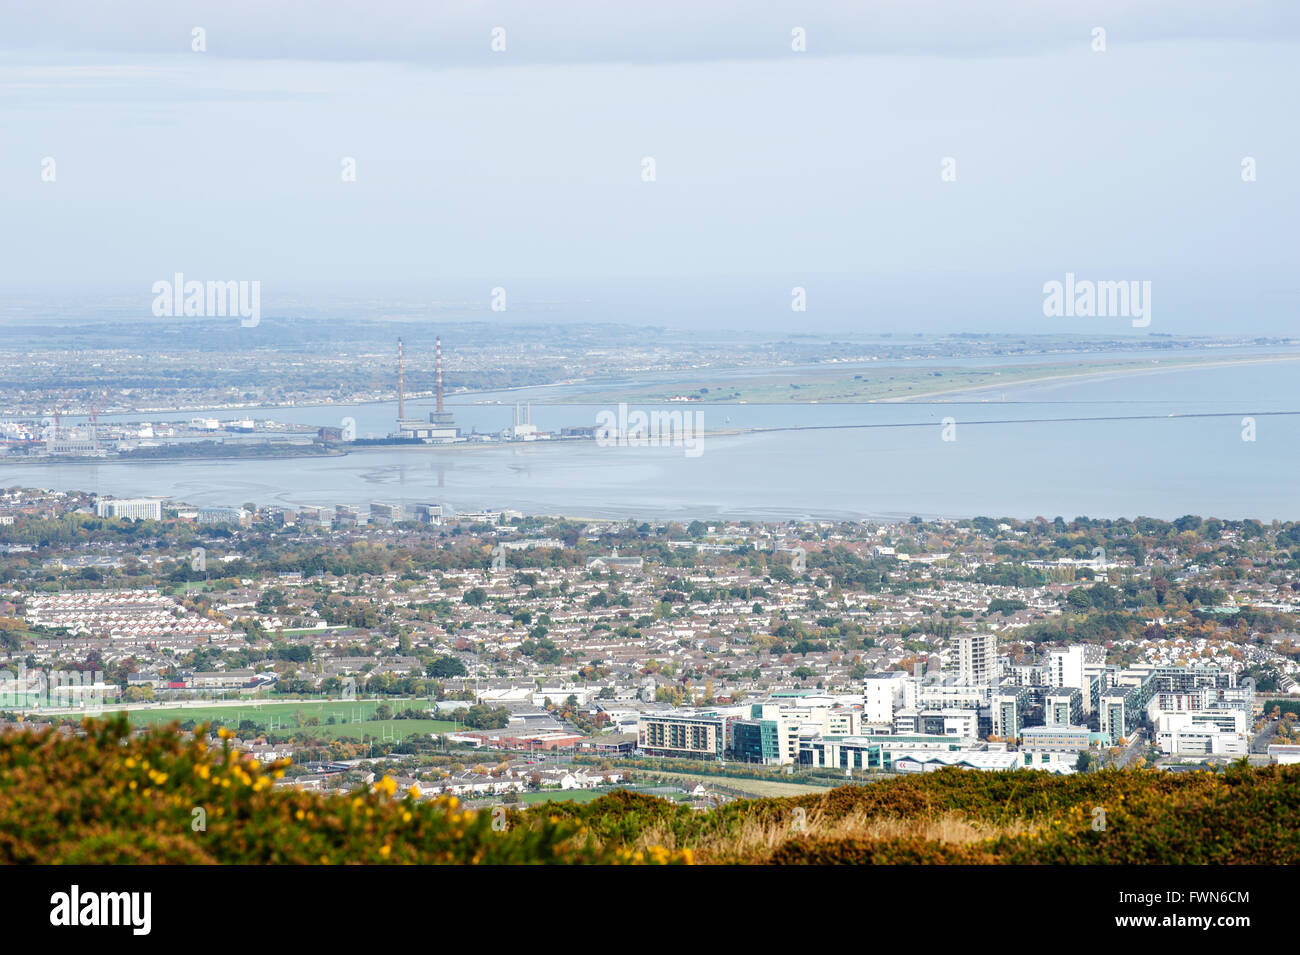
column 755, row 839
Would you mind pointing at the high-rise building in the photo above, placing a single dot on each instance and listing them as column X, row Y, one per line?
column 882, row 695
column 977, row 658
column 1008, row 710
column 1065, row 667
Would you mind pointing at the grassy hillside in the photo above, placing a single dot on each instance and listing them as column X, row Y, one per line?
column 955, row 816
column 166, row 797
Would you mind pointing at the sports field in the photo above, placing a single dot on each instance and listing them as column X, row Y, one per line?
column 351, row 719
column 562, row 795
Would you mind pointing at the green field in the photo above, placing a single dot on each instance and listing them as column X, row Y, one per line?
column 193, row 586
column 562, row 795
column 381, row 729
column 293, row 714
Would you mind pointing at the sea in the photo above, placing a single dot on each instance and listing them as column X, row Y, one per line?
column 1220, row 440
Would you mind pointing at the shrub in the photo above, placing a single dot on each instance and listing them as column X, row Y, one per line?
column 108, row 796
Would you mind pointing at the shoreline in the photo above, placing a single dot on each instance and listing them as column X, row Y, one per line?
column 1127, row 367
column 458, row 397
column 1098, row 373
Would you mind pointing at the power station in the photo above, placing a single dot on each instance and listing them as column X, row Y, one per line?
column 441, row 427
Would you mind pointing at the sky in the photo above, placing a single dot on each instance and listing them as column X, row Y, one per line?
column 524, row 168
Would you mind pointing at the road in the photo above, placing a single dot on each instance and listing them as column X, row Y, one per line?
column 1130, row 752
column 1260, row 743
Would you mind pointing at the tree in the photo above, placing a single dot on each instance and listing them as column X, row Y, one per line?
column 444, row 667
column 1084, row 761
column 483, row 717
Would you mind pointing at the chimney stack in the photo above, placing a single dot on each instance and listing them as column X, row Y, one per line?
column 401, row 395
column 439, row 347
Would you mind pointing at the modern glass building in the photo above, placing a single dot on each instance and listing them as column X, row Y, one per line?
column 756, row 741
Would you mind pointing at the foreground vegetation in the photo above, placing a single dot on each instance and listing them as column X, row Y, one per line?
column 168, row 797
column 1242, row 816
column 165, row 796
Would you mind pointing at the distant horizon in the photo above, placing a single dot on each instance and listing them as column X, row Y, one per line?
column 841, row 304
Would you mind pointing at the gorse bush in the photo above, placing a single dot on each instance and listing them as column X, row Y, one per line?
column 167, row 797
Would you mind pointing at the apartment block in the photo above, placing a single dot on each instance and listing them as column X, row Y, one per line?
column 683, row 736
column 977, row 658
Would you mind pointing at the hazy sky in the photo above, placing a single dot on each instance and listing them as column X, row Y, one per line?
column 774, row 168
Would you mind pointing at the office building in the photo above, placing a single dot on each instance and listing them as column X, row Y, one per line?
column 222, row 515
column 385, row 513
column 1055, row 739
